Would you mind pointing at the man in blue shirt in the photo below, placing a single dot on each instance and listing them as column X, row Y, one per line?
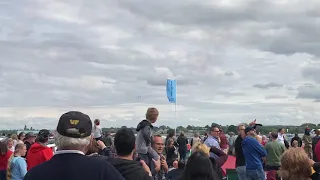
column 213, row 139
column 253, row 153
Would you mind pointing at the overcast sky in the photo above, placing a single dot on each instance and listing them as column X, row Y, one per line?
column 234, row 61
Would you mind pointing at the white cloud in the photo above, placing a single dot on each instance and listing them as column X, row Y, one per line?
column 234, row 61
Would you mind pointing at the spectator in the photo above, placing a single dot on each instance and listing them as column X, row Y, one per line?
column 124, row 143
column 182, row 142
column 295, row 144
column 317, row 151
column 199, row 167
column 72, row 137
column 274, row 151
column 107, row 140
column 143, row 143
column 21, row 137
column 10, row 144
column 295, row 165
column 195, row 139
column 29, row 139
column 39, row 152
column 223, row 141
column 171, row 135
column 231, row 140
column 176, row 173
column 14, row 137
column 17, row 166
column 264, row 141
column 5, row 154
column 315, row 141
column 213, row 140
column 97, row 131
column 238, row 152
column 280, row 135
column 307, row 140
column 160, row 168
column 205, row 137
column 171, row 152
column 253, row 153
column 296, row 138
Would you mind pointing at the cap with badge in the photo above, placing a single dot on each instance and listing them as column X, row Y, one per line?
column 75, row 124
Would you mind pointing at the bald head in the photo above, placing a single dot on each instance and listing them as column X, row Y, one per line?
column 152, row 114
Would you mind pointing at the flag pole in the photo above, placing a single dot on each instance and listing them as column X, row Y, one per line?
column 175, row 112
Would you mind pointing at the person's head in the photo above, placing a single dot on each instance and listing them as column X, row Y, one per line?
column 93, row 147
column 157, row 143
column 200, row 147
column 259, row 138
column 43, row 136
column 250, row 131
column 295, row 165
column 181, row 133
column 274, row 136
column 281, row 130
column 170, row 142
column 240, row 129
column 199, row 167
column 124, row 142
column 231, row 134
column 10, row 143
column 214, row 131
column 307, row 131
column 196, row 135
column 20, row 149
column 296, row 135
column 171, row 133
column 206, row 134
column 152, row 114
column 96, row 122
column 21, row 136
column 30, row 137
column 14, row 137
column 317, row 132
column 4, row 146
column 74, row 132
column 295, row 144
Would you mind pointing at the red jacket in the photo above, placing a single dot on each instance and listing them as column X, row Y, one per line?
column 38, row 154
column 4, row 160
column 317, row 151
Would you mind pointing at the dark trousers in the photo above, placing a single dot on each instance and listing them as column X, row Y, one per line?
column 3, row 174
column 183, row 154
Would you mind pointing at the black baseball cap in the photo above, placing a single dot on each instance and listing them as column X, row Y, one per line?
column 75, row 124
column 45, row 133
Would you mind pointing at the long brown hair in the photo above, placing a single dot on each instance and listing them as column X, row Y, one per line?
column 4, row 146
column 295, row 165
column 18, row 147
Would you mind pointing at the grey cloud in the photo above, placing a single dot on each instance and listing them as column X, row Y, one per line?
column 309, row 92
column 312, row 72
column 276, row 97
column 267, row 85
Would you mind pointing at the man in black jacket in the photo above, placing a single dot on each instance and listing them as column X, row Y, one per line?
column 124, row 143
column 73, row 137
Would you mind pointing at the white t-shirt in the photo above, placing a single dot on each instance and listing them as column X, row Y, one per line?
column 280, row 138
column 97, row 132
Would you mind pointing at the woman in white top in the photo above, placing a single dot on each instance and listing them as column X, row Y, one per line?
column 97, row 131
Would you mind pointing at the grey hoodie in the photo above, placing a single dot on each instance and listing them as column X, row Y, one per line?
column 143, row 141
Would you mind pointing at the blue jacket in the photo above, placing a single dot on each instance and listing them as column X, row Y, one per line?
column 253, row 153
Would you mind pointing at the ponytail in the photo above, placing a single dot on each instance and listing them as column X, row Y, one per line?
column 9, row 167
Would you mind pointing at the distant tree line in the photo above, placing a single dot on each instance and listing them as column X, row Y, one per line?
column 199, row 129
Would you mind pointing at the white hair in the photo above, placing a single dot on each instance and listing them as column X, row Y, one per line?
column 68, row 143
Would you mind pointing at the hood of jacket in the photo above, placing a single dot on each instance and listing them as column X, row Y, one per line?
column 143, row 124
column 125, row 167
column 37, row 147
